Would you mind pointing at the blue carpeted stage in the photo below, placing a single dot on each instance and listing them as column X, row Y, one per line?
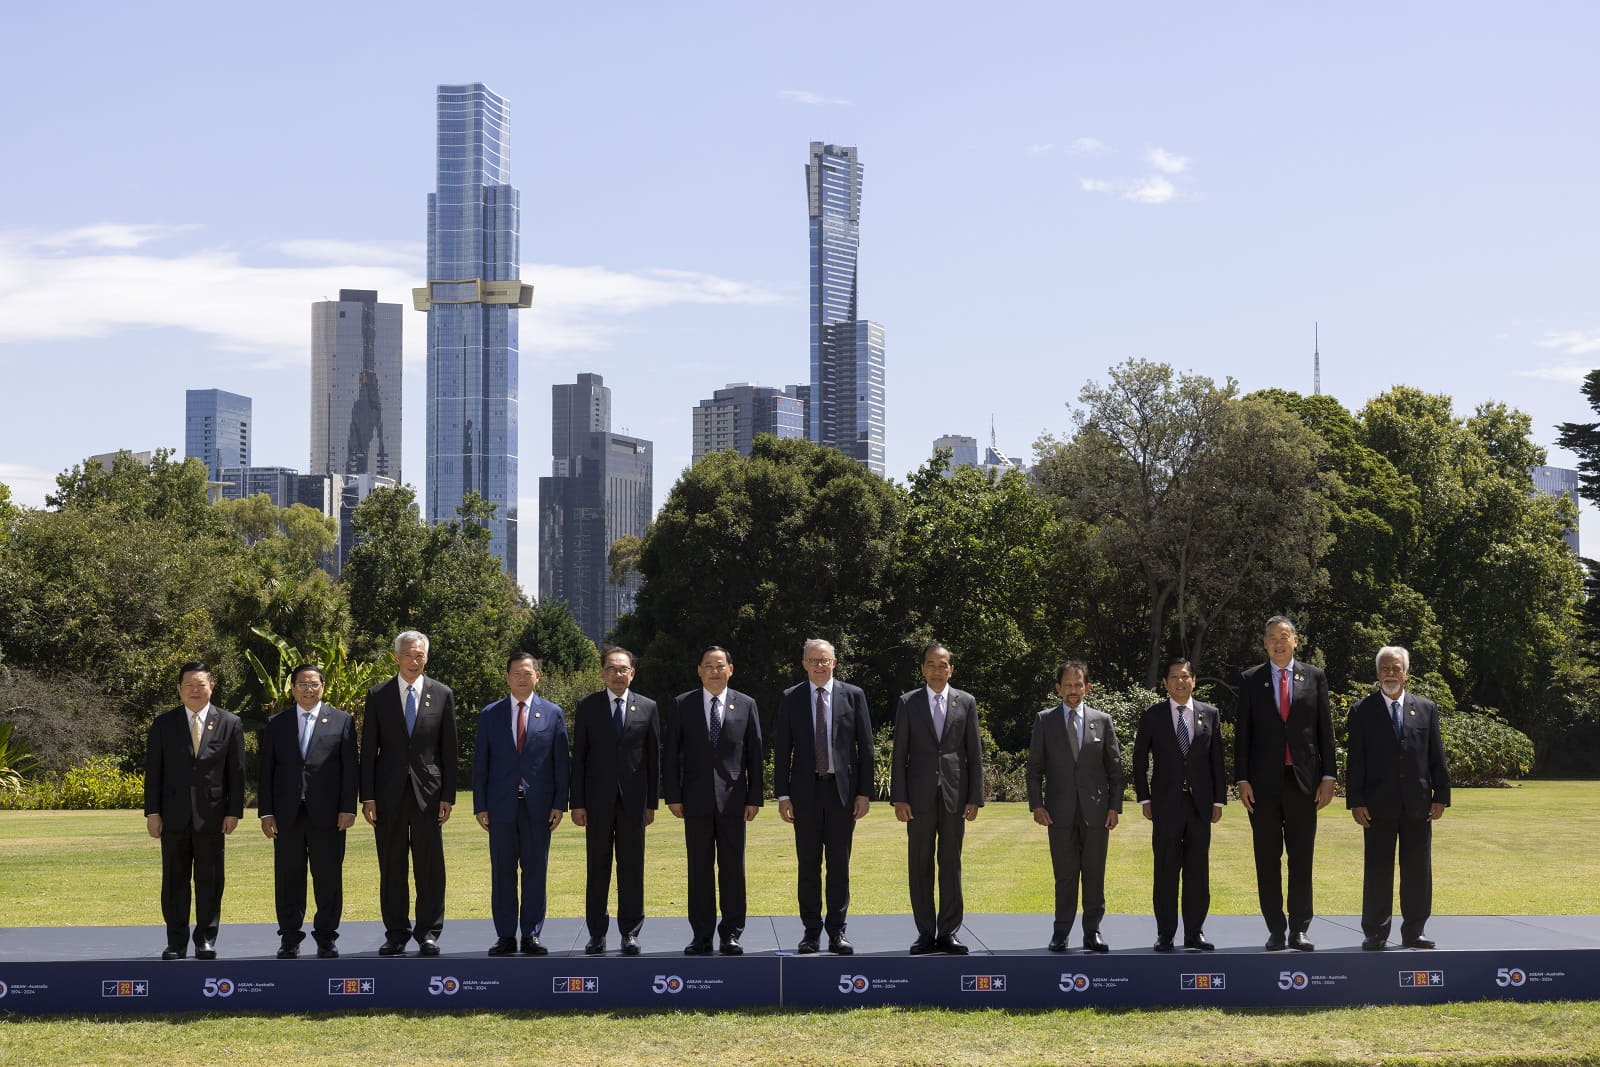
column 49, row 970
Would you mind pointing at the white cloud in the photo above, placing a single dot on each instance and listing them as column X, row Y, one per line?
column 1566, row 373
column 1096, row 185
column 1572, row 342
column 806, row 96
column 28, row 485
column 1040, row 149
column 1167, row 162
column 1089, row 146
column 110, row 235
column 50, row 295
column 1154, row 190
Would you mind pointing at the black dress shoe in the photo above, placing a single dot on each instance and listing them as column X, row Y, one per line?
column 630, row 945
column 1300, row 942
column 532, row 947
column 839, row 946
column 392, row 948
column 595, row 947
column 951, row 945
column 922, row 946
column 697, row 948
column 172, row 953
column 327, row 952
column 503, row 946
column 730, row 947
column 1093, row 942
column 808, row 945
column 1277, row 942
column 205, row 950
column 1197, row 941
column 1418, row 942
column 1058, row 943
column 289, row 950
column 1375, row 943
column 427, row 947
column 1164, row 944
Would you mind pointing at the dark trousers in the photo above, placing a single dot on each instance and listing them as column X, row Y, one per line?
column 935, row 835
column 824, row 828
column 613, row 832
column 521, row 843
column 404, row 830
column 1078, row 853
column 300, row 845
column 1284, row 822
column 1182, row 847
column 715, row 844
column 187, row 853
column 1415, row 840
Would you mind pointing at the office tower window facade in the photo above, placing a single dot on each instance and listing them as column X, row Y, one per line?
column 472, row 296
column 599, row 490
column 736, row 413
column 847, row 397
column 216, row 429
column 280, row 484
column 355, row 385
column 1560, row 481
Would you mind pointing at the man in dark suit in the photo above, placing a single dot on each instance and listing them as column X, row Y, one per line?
column 616, row 783
column 1284, row 764
column 823, row 767
column 1182, row 797
column 1397, row 786
column 519, row 793
column 193, row 798
column 712, row 755
column 936, row 787
column 408, row 786
column 307, row 800
column 1074, row 776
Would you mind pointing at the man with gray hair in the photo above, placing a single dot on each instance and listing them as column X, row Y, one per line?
column 408, row 786
column 1397, row 785
column 822, row 776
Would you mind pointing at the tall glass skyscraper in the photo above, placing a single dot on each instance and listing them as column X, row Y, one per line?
column 845, row 403
column 216, row 429
column 471, row 296
column 355, row 385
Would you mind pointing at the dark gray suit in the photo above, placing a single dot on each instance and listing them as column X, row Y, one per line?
column 1397, row 779
column 938, row 775
column 615, row 777
column 1077, row 791
column 824, row 805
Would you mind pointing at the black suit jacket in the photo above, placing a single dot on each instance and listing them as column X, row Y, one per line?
column 183, row 787
column 930, row 770
column 326, row 777
column 616, row 772
column 1394, row 777
column 1202, row 771
column 421, row 766
column 706, row 781
column 850, row 743
column 1260, row 734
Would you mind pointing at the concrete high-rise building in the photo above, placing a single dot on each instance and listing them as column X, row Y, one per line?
column 1560, row 481
column 963, row 449
column 734, row 414
column 599, row 490
column 280, row 484
column 846, row 401
column 471, row 298
column 355, row 385
column 216, row 429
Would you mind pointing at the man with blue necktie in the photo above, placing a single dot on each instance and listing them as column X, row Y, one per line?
column 1397, row 787
column 519, row 793
column 408, row 787
column 307, row 800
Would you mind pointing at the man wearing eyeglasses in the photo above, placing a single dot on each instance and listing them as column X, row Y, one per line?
column 307, row 797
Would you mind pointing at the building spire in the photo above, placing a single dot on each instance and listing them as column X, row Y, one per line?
column 1316, row 359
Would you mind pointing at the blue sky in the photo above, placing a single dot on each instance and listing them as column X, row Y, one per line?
column 1050, row 189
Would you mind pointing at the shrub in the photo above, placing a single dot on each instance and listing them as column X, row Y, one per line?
column 1481, row 749
column 97, row 783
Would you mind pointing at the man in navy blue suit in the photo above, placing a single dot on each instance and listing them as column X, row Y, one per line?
column 307, row 801
column 519, row 791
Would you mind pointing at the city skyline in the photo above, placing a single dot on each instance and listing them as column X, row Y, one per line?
column 356, row 386
column 1054, row 190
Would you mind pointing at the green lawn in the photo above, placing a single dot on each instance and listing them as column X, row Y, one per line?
column 1494, row 853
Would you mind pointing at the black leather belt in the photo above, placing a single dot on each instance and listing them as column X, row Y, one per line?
column 825, row 777
column 521, row 795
